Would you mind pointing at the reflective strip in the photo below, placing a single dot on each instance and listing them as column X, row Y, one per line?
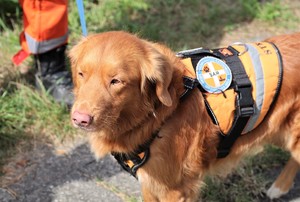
column 36, row 47
column 260, row 86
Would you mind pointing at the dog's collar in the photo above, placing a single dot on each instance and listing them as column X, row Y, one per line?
column 131, row 162
column 189, row 85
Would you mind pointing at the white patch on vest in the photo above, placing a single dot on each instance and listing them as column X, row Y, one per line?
column 212, row 73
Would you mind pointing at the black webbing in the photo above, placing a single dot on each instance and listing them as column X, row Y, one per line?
column 244, row 103
column 134, row 157
column 241, row 85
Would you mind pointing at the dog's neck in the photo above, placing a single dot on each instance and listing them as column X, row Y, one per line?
column 105, row 142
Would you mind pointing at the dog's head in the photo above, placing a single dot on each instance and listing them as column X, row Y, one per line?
column 118, row 78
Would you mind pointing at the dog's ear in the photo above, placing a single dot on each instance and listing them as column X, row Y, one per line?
column 156, row 68
column 74, row 54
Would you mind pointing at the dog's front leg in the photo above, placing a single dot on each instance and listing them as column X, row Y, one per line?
column 148, row 196
column 166, row 196
column 177, row 196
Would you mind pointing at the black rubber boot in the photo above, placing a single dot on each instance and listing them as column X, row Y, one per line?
column 52, row 74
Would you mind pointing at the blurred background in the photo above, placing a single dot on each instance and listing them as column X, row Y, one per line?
column 29, row 118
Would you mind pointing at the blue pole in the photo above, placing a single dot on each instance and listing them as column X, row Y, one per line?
column 82, row 18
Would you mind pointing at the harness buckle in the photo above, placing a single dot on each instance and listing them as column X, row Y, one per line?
column 244, row 103
column 190, row 83
column 245, row 111
column 244, row 100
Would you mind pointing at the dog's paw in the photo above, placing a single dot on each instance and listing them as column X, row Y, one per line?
column 275, row 192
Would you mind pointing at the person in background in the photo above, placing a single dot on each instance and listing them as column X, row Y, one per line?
column 45, row 36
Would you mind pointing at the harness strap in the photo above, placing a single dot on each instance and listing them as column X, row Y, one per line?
column 241, row 85
column 189, row 84
column 244, row 103
column 131, row 162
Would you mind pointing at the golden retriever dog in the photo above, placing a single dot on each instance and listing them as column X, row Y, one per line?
column 127, row 89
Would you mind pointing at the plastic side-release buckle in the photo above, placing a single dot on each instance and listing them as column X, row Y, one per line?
column 190, row 83
column 245, row 111
column 244, row 100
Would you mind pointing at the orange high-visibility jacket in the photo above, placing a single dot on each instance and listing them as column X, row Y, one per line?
column 45, row 25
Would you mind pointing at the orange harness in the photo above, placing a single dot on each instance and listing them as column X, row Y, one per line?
column 239, row 84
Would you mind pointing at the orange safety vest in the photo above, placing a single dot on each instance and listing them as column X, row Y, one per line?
column 262, row 64
column 45, row 27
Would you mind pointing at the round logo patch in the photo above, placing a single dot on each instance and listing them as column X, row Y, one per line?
column 213, row 74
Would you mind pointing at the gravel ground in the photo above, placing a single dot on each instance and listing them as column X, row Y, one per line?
column 69, row 178
column 42, row 176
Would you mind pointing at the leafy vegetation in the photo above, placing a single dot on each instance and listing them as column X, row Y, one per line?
column 180, row 24
column 250, row 181
column 26, row 113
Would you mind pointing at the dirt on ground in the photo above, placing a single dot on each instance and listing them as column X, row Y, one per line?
column 40, row 174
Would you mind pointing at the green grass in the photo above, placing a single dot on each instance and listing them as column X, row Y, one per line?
column 250, row 181
column 273, row 11
column 26, row 113
column 180, row 24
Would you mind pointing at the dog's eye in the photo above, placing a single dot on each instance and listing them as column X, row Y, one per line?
column 80, row 74
column 114, row 81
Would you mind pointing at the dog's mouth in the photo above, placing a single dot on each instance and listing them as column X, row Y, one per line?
column 85, row 128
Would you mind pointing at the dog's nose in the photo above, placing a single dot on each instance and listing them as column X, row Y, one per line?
column 81, row 119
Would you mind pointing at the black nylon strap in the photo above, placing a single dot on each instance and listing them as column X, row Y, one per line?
column 241, row 85
column 227, row 141
column 189, row 85
column 134, row 157
column 244, row 103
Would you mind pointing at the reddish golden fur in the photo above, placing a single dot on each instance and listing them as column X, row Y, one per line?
column 123, row 117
